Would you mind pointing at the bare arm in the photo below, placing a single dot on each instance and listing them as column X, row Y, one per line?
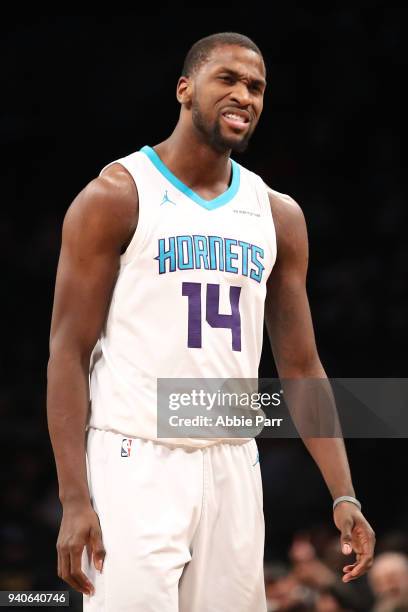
column 97, row 225
column 289, row 324
column 290, row 328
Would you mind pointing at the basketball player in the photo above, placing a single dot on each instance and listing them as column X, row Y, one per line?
column 168, row 260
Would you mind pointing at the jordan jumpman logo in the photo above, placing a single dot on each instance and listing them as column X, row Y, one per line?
column 166, row 199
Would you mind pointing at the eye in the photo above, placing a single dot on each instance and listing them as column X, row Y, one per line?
column 227, row 78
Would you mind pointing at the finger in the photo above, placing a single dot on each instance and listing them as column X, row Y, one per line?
column 77, row 574
column 345, row 538
column 75, row 585
column 98, row 550
column 362, row 566
column 349, row 578
column 65, row 569
column 63, row 564
column 348, row 568
column 364, row 557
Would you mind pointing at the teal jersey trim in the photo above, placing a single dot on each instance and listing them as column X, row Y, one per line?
column 220, row 200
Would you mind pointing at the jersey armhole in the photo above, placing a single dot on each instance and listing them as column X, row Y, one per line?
column 138, row 239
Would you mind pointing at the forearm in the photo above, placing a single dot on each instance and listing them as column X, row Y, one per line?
column 312, row 405
column 67, row 410
column 331, row 459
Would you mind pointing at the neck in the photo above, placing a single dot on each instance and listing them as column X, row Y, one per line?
column 192, row 160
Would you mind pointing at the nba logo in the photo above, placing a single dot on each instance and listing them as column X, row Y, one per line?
column 126, row 447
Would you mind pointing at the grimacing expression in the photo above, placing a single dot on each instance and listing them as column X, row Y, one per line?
column 227, row 97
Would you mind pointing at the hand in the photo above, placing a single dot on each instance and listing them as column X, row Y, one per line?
column 356, row 535
column 79, row 527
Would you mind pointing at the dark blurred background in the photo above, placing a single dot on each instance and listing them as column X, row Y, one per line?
column 81, row 91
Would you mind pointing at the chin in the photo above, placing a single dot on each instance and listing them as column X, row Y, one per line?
column 237, row 145
column 224, row 142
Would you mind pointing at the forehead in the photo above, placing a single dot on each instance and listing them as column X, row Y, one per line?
column 236, row 58
column 387, row 567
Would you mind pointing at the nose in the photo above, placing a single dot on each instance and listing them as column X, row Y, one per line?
column 240, row 94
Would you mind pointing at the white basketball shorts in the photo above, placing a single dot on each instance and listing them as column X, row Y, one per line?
column 183, row 528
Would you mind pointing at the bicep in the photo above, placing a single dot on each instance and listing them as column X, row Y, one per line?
column 83, row 286
column 87, row 270
column 289, row 324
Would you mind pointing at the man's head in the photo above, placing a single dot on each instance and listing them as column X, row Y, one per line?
column 388, row 576
column 221, row 89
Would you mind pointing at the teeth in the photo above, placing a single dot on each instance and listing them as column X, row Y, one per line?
column 235, row 117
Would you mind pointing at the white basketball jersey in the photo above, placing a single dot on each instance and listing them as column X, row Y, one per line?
column 189, row 297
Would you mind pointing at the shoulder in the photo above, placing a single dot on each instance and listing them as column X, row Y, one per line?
column 285, row 209
column 289, row 221
column 286, row 212
column 107, row 207
column 112, row 194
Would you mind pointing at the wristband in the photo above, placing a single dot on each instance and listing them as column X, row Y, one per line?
column 347, row 498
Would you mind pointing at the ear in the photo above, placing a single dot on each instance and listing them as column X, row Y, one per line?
column 184, row 90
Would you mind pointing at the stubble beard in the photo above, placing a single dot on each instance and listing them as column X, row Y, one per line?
column 212, row 133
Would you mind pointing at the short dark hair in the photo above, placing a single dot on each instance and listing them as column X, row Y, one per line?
column 201, row 50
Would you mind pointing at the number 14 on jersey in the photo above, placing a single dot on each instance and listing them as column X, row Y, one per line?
column 212, row 303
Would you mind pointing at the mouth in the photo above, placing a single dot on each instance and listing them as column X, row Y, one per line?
column 237, row 119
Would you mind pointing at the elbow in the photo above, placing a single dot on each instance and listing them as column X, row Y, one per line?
column 305, row 366
column 63, row 357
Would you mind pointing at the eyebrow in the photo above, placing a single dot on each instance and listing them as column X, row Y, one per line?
column 236, row 75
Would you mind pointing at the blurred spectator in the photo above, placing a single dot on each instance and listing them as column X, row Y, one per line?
column 388, row 578
column 284, row 593
column 307, row 568
column 331, row 600
column 339, row 598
